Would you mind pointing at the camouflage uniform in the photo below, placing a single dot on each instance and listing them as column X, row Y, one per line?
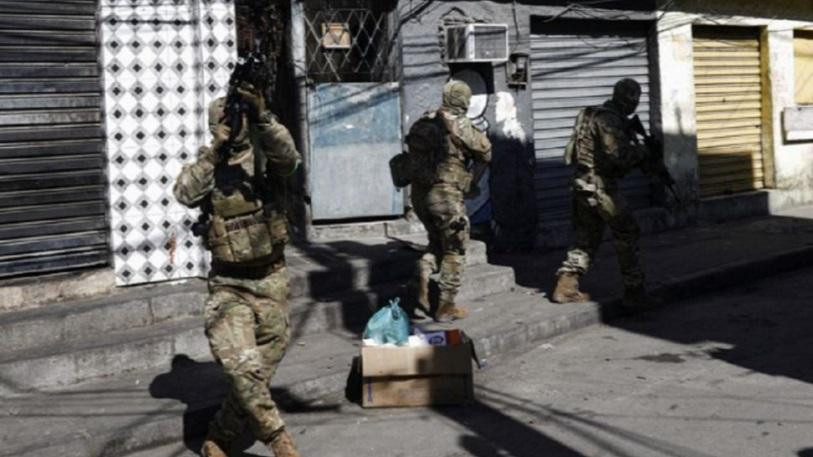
column 437, row 199
column 603, row 152
column 246, row 314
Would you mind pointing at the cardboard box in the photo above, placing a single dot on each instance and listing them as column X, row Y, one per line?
column 416, row 376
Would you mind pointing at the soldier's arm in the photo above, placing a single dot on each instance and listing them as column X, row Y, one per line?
column 475, row 142
column 620, row 149
column 276, row 143
column 196, row 179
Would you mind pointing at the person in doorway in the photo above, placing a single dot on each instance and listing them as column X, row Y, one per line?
column 451, row 143
column 603, row 150
column 244, row 225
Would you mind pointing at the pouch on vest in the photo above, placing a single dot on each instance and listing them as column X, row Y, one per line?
column 242, row 230
column 401, row 169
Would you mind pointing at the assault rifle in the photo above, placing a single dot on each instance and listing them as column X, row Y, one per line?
column 655, row 156
column 251, row 70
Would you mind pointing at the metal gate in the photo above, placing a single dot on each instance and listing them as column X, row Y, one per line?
column 52, row 180
column 576, row 64
column 354, row 105
column 355, row 129
column 728, row 88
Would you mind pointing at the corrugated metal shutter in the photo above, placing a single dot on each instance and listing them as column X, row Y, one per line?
column 52, row 180
column 570, row 72
column 803, row 66
column 729, row 110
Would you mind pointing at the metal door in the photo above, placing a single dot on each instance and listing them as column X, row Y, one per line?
column 728, row 89
column 355, row 129
column 354, row 109
column 575, row 64
column 52, row 179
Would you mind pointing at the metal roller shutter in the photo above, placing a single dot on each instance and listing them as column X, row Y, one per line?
column 572, row 71
column 728, row 88
column 52, row 178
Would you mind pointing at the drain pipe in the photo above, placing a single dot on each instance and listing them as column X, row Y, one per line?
column 298, row 58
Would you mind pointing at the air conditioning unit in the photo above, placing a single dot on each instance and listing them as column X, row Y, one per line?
column 476, row 43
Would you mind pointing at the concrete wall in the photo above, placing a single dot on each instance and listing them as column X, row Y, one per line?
column 509, row 109
column 791, row 182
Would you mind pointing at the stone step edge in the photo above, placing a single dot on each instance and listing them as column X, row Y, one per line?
column 155, row 312
column 156, row 334
column 156, row 291
column 356, row 272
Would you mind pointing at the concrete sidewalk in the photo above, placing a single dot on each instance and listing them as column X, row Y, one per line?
column 172, row 402
column 686, row 262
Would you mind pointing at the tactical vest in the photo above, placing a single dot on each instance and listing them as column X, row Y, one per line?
column 245, row 224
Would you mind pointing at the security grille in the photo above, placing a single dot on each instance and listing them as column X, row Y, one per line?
column 576, row 64
column 53, row 198
column 349, row 41
column 728, row 88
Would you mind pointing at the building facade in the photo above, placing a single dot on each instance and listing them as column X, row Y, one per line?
column 101, row 104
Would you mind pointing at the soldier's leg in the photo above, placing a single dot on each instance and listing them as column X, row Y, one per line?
column 588, row 229
column 626, row 234
column 230, row 420
column 234, row 345
column 449, row 214
column 428, row 263
column 273, row 335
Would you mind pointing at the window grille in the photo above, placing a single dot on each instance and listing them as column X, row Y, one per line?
column 349, row 41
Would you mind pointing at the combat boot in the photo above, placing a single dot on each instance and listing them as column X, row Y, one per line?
column 567, row 289
column 450, row 312
column 212, row 448
column 283, row 445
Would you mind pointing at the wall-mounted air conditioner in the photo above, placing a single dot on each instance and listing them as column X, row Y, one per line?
column 476, row 43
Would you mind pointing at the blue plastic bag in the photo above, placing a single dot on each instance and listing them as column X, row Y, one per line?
column 389, row 324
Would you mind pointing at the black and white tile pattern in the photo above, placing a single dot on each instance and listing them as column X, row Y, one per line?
column 164, row 61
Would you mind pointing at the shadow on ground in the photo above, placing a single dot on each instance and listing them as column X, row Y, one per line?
column 202, row 386
column 762, row 326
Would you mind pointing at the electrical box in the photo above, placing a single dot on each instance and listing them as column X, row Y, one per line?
column 476, row 43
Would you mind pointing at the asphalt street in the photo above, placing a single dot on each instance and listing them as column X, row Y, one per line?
column 727, row 374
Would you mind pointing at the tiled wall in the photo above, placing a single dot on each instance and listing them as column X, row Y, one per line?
column 163, row 62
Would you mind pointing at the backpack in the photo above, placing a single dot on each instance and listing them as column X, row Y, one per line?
column 426, row 143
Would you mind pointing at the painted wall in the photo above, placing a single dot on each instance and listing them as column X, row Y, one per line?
column 508, row 112
column 793, row 162
column 163, row 63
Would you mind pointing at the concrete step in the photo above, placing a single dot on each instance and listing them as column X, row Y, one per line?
column 99, row 355
column 323, row 269
column 133, row 412
column 351, row 310
column 109, row 347
column 147, row 306
column 140, row 408
column 396, row 227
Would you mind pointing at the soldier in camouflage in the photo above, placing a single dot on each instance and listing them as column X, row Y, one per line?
column 603, row 150
column 437, row 198
column 236, row 181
